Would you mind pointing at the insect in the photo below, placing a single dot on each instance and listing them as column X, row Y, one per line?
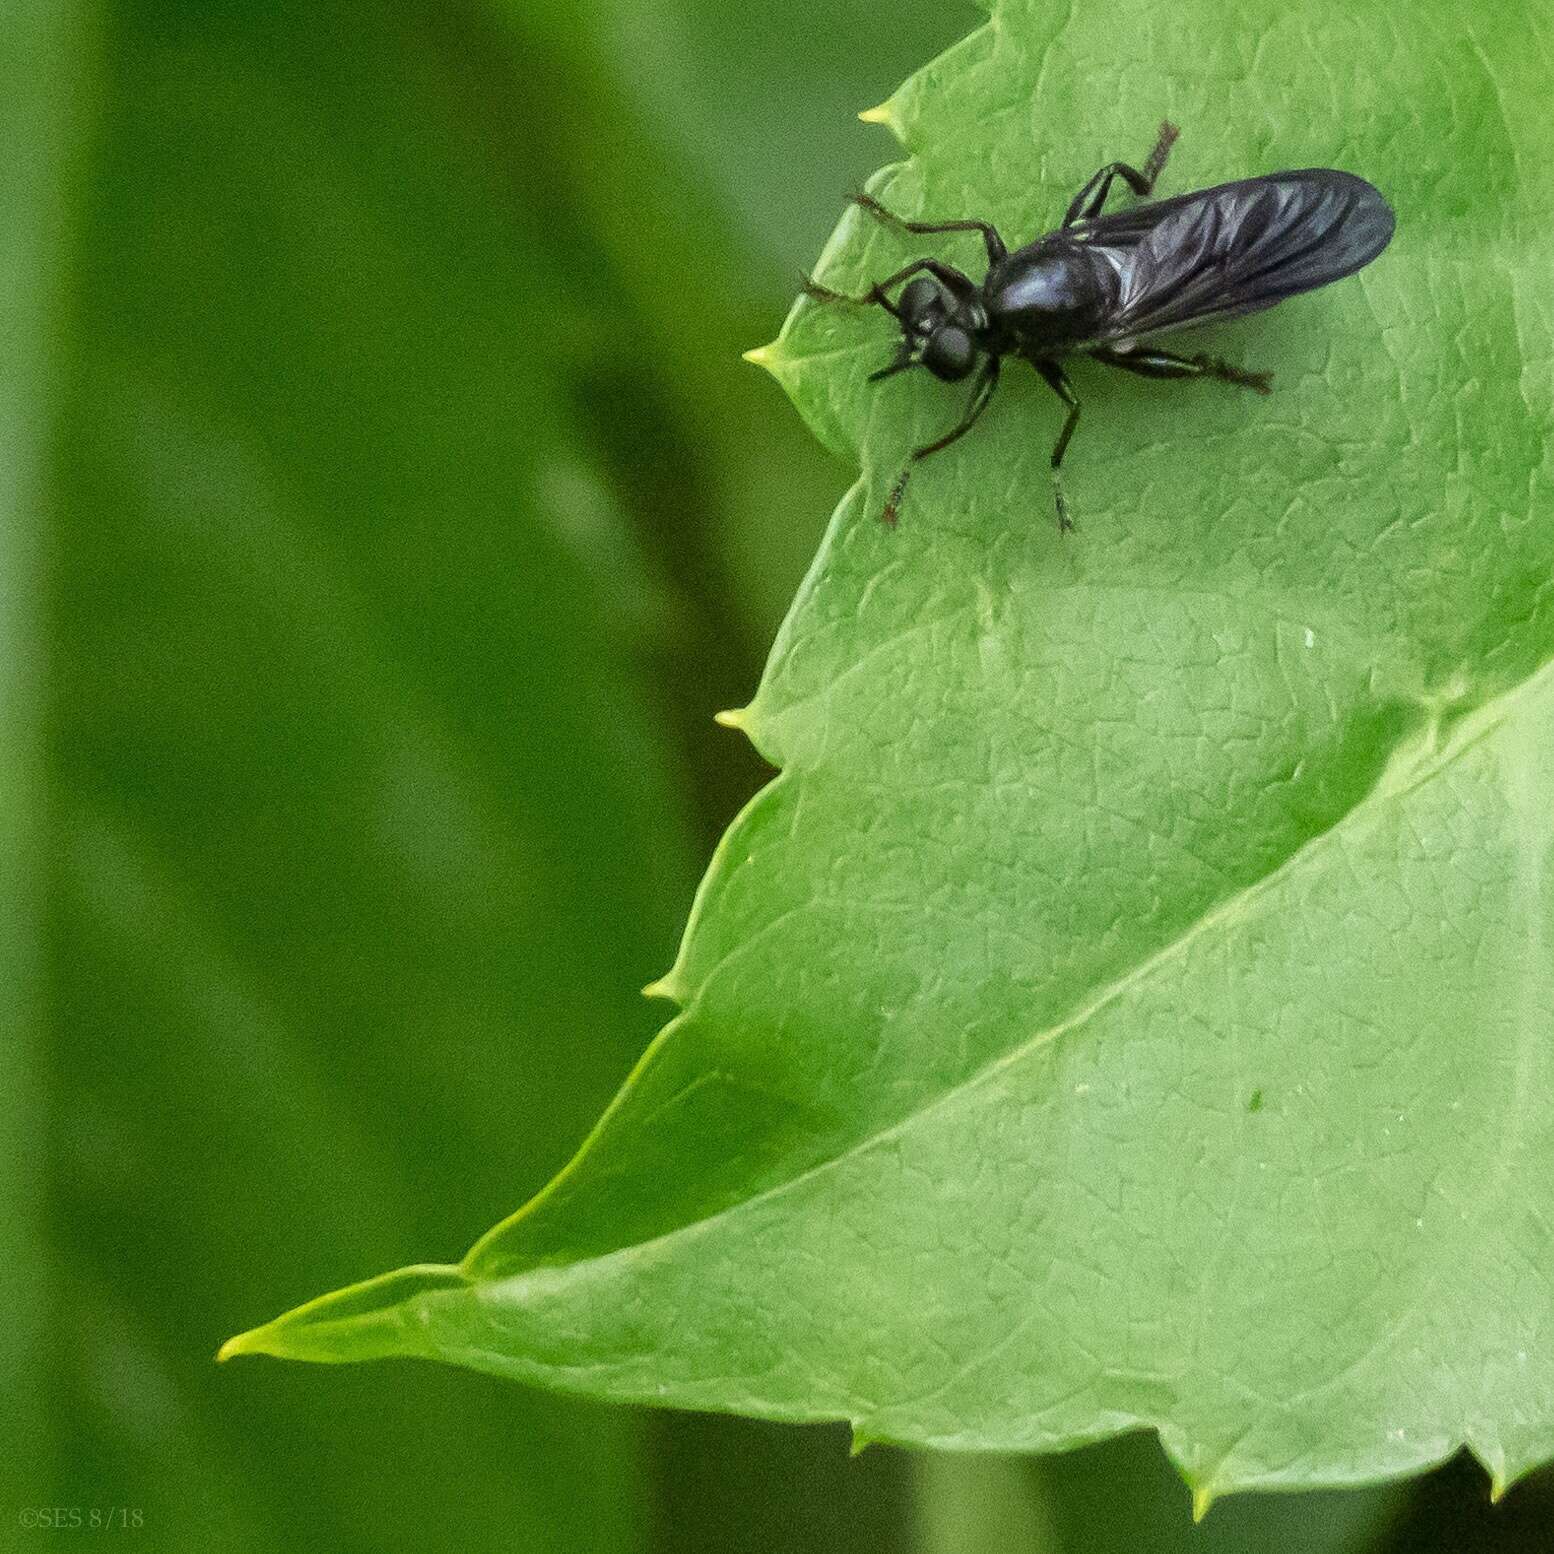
column 1105, row 286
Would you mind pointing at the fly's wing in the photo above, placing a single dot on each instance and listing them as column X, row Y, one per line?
column 1237, row 248
column 1125, row 229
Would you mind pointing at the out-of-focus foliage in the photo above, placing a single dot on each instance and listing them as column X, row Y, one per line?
column 360, row 826
column 361, row 830
column 386, row 510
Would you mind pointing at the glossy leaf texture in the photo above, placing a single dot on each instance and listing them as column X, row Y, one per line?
column 1131, row 1004
column 360, row 824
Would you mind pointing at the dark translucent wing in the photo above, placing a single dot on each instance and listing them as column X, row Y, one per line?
column 1123, row 229
column 1237, row 248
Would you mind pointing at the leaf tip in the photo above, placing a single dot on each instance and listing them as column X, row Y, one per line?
column 1498, row 1488
column 733, row 718
column 662, row 988
column 879, row 115
column 762, row 356
column 861, row 1441
column 366, row 1321
column 251, row 1342
column 1202, row 1501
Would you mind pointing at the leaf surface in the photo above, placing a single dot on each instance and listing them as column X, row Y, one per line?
column 1131, row 1003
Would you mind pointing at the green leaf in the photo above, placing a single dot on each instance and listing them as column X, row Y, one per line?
column 1130, row 1004
column 362, row 835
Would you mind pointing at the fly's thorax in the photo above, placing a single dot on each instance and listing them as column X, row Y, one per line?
column 1048, row 295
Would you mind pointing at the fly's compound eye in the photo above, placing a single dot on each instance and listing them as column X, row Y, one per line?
column 919, row 299
column 949, row 353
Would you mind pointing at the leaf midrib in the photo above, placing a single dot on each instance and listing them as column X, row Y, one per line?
column 1399, row 778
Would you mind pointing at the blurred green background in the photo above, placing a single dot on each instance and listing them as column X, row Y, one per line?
column 388, row 511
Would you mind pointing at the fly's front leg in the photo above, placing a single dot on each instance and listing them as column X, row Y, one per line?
column 877, row 295
column 1090, row 200
column 980, row 396
column 1058, row 382
column 996, row 248
column 1163, row 364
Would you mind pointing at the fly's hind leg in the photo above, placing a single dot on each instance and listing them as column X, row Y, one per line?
column 1091, row 199
column 1163, row 364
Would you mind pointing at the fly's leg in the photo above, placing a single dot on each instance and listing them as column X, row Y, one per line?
column 947, row 275
column 1163, row 364
column 1058, row 382
column 980, row 396
column 996, row 248
column 1089, row 201
column 1154, row 165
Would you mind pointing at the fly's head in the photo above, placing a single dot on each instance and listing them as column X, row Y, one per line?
column 937, row 332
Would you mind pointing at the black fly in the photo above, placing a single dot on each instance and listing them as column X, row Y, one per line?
column 1105, row 285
